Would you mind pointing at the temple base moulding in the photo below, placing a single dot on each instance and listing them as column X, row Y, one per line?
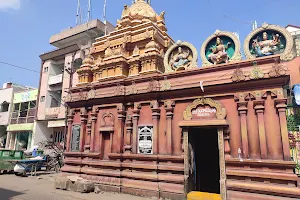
column 237, row 195
column 263, row 188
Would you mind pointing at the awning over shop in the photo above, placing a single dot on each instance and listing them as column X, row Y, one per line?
column 56, row 124
column 20, row 127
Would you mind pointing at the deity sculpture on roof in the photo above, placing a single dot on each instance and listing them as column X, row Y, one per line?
column 218, row 52
column 180, row 59
column 180, row 56
column 221, row 47
column 266, row 46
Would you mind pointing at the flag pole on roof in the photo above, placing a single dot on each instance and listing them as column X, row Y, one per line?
column 104, row 17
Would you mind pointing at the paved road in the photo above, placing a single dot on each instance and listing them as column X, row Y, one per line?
column 41, row 188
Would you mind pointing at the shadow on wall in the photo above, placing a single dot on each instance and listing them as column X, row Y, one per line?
column 8, row 194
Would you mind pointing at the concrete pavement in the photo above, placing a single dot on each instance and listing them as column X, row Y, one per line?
column 42, row 188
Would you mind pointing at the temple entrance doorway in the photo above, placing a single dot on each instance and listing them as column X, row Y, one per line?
column 205, row 160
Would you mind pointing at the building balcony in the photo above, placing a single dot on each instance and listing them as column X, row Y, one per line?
column 22, row 120
column 52, row 113
column 17, row 119
column 53, row 80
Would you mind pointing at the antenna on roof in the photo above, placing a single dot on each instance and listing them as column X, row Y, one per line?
column 254, row 25
column 78, row 15
column 237, row 34
column 89, row 17
column 79, row 12
column 104, row 17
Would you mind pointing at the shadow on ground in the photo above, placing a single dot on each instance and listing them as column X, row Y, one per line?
column 8, row 194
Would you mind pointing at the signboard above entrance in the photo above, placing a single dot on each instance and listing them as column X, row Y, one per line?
column 204, row 112
column 204, row 109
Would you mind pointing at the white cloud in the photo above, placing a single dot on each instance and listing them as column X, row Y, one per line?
column 10, row 4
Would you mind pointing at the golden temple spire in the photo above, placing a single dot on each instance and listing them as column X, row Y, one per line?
column 140, row 12
column 148, row 1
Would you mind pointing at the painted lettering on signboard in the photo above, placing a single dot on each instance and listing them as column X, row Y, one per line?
column 204, row 112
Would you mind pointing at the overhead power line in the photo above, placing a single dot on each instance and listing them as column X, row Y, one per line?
column 24, row 68
column 266, row 2
column 31, row 70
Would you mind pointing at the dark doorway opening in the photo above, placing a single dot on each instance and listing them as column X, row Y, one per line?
column 205, row 153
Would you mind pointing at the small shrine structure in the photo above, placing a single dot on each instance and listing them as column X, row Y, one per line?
column 145, row 120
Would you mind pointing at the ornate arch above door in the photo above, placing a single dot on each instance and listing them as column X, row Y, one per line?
column 220, row 112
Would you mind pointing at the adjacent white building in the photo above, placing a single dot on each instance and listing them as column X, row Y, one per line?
column 295, row 32
column 7, row 94
column 58, row 75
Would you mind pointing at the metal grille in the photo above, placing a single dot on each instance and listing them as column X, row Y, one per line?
column 75, row 138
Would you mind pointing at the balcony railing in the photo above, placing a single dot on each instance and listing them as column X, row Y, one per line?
column 52, row 113
column 53, row 80
column 31, row 112
column 22, row 120
column 16, row 119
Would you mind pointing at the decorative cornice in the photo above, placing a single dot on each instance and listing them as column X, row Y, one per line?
column 256, row 72
column 278, row 69
column 165, row 85
column 91, row 94
column 132, row 89
column 238, row 75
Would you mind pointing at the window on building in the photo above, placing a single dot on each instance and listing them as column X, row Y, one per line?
column 75, row 138
column 16, row 107
column 4, row 107
column 42, row 99
column 32, row 104
column 46, row 69
column 24, row 109
column 54, row 103
column 77, row 64
column 145, row 140
column 58, row 136
column 23, row 140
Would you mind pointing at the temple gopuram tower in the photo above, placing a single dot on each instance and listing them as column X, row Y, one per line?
column 136, row 47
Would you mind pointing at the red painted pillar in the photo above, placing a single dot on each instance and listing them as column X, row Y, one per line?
column 94, row 120
column 83, row 120
column 273, row 135
column 155, row 120
column 135, row 119
column 260, row 109
column 253, row 133
column 169, row 113
column 281, row 108
column 69, row 133
column 227, row 149
column 128, row 146
column 242, row 108
column 120, row 130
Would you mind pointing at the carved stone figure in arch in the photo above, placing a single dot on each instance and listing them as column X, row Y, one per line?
column 180, row 56
column 269, row 40
column 108, row 120
column 220, row 47
column 218, row 52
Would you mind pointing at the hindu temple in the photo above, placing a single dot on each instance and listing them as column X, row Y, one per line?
column 145, row 119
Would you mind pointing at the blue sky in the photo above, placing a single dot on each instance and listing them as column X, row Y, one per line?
column 26, row 25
